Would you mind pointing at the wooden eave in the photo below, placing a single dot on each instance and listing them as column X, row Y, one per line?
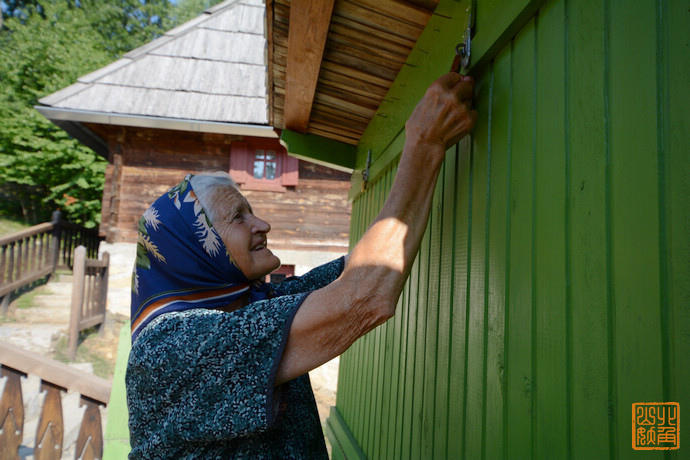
column 330, row 71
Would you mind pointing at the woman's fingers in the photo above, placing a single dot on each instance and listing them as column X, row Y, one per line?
column 444, row 115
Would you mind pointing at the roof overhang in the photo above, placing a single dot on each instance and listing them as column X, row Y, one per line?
column 331, row 64
column 72, row 121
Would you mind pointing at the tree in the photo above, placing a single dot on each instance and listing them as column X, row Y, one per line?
column 45, row 45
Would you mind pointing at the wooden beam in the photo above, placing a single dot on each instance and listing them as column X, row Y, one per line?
column 55, row 372
column 309, row 22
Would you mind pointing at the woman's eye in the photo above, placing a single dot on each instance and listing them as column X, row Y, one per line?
column 237, row 218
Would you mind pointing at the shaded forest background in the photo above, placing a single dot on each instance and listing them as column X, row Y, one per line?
column 45, row 45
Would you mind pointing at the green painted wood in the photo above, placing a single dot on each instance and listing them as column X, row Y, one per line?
column 520, row 386
column 474, row 378
column 431, row 354
column 344, row 444
column 418, row 402
column 116, row 437
column 497, row 22
column 412, row 367
column 587, row 228
column 551, row 304
column 494, row 365
column 558, row 251
column 380, row 354
column 320, row 150
column 430, row 58
column 673, row 140
column 461, row 300
column 633, row 181
column 445, row 305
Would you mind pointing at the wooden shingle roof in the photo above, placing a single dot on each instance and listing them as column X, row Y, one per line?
column 211, row 69
column 335, row 93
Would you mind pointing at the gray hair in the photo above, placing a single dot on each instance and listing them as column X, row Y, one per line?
column 205, row 184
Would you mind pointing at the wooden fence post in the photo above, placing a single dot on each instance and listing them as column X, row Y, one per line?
column 51, row 429
column 79, row 277
column 11, row 414
column 90, row 440
column 103, row 295
column 56, row 220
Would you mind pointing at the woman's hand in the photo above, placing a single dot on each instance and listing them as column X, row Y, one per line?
column 444, row 115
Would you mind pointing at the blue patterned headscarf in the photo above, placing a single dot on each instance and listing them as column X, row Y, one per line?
column 181, row 261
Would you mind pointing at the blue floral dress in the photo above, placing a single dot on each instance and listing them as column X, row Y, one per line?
column 200, row 382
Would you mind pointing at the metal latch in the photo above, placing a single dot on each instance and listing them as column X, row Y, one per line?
column 463, row 49
column 365, row 172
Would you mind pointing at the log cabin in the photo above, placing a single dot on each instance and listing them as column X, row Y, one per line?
column 196, row 100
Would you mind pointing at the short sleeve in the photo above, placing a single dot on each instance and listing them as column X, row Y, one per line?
column 200, row 376
column 316, row 278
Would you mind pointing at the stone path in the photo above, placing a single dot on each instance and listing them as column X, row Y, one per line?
column 40, row 327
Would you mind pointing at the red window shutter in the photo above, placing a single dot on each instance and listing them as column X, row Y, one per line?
column 239, row 156
column 290, row 174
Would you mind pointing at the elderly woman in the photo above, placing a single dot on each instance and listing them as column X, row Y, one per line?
column 219, row 360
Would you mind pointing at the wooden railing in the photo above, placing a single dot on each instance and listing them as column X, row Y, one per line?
column 56, row 378
column 36, row 252
column 89, row 295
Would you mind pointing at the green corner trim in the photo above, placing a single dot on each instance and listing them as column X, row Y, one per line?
column 342, row 441
column 320, row 150
column 116, row 438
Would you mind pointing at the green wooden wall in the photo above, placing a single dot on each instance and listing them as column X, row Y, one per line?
column 552, row 288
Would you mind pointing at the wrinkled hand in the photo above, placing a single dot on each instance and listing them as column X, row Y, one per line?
column 445, row 114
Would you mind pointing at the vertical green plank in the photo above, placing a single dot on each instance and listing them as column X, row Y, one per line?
column 397, row 435
column 474, row 409
column 368, row 438
column 364, row 361
column 634, row 212
column 445, row 304
column 675, row 101
column 391, row 375
column 520, row 385
column 458, row 351
column 417, row 433
column 349, row 361
column 587, row 244
column 385, row 361
column 552, row 408
column 411, row 368
column 496, row 281
column 377, row 354
column 431, row 361
column 354, row 352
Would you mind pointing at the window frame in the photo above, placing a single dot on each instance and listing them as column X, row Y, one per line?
column 243, row 156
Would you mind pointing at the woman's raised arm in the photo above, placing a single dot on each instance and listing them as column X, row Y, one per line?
column 366, row 293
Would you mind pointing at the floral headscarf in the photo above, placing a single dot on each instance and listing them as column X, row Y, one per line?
column 181, row 261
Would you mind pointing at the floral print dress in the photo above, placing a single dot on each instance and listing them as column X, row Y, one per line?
column 200, row 383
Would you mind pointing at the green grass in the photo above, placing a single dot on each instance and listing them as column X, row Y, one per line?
column 26, row 299
column 102, row 367
column 9, row 225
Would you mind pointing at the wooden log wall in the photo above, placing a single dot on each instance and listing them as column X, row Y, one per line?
column 145, row 163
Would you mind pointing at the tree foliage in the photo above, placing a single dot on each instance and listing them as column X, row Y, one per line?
column 45, row 45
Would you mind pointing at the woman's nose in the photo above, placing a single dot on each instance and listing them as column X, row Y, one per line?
column 260, row 225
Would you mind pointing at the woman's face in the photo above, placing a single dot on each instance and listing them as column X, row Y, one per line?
column 244, row 235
